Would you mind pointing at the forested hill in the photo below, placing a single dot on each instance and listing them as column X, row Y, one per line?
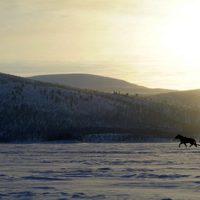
column 189, row 99
column 36, row 111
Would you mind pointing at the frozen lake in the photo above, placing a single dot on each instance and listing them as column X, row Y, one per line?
column 99, row 171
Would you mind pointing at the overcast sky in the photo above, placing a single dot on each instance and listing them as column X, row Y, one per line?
column 149, row 42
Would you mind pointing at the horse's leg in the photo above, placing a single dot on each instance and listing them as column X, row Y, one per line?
column 185, row 145
column 180, row 144
column 191, row 145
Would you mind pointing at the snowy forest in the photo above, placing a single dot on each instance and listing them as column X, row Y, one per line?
column 35, row 111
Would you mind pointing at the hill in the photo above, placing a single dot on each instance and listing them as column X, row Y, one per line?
column 99, row 83
column 36, row 111
column 189, row 99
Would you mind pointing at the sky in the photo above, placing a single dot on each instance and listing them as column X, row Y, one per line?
column 154, row 43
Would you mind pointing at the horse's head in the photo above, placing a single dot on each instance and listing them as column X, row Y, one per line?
column 178, row 136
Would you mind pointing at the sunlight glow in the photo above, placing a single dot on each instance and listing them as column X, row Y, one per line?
column 155, row 43
column 182, row 35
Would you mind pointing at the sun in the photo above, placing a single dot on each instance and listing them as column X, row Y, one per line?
column 181, row 34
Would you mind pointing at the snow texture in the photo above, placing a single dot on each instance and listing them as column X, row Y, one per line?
column 99, row 171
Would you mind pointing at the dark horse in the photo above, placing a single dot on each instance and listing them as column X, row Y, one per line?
column 185, row 140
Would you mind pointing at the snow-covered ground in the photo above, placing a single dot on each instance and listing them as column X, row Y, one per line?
column 99, row 171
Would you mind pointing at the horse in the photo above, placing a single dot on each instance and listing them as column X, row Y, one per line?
column 185, row 140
